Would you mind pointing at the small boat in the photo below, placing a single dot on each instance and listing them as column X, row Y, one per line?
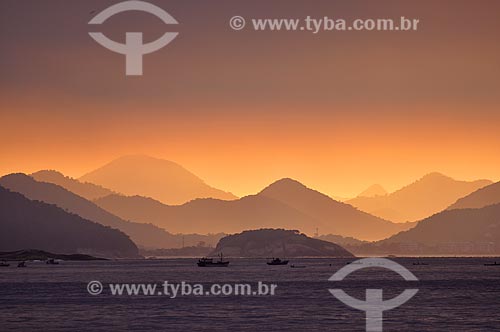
column 51, row 261
column 4, row 264
column 22, row 264
column 209, row 262
column 293, row 266
column 492, row 264
column 277, row 261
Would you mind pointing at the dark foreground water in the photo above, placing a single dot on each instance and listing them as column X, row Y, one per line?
column 456, row 294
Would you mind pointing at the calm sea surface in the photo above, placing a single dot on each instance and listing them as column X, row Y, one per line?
column 456, row 294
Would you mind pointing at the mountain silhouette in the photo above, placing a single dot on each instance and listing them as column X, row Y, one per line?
column 33, row 224
column 488, row 195
column 209, row 215
column 87, row 190
column 459, row 227
column 373, row 190
column 160, row 179
column 277, row 243
column 337, row 217
column 431, row 194
column 146, row 235
column 285, row 204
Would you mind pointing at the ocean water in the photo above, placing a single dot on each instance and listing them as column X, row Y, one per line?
column 455, row 294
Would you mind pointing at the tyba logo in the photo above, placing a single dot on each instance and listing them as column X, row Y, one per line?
column 374, row 305
column 134, row 48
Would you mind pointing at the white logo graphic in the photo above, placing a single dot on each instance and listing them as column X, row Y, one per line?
column 133, row 48
column 374, row 305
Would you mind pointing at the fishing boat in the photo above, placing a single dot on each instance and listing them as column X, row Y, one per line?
column 492, row 264
column 277, row 261
column 4, row 264
column 21, row 264
column 209, row 262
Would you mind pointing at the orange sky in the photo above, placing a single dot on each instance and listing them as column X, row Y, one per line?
column 337, row 111
column 337, row 154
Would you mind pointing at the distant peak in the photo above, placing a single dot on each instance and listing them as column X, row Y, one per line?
column 373, row 190
column 285, row 183
column 14, row 176
column 141, row 160
column 288, row 188
column 435, row 175
column 48, row 172
column 161, row 179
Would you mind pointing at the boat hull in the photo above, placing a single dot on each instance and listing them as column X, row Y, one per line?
column 216, row 264
column 278, row 263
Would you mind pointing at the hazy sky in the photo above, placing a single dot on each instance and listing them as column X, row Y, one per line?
column 338, row 111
